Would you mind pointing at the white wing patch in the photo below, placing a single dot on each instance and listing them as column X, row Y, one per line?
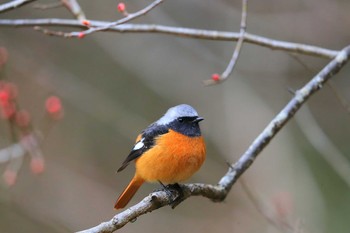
column 139, row 145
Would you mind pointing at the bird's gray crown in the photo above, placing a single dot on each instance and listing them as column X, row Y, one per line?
column 182, row 110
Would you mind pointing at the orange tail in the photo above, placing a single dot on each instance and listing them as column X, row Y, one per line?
column 129, row 192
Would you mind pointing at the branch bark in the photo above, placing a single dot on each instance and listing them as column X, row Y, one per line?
column 13, row 4
column 181, row 32
column 219, row 192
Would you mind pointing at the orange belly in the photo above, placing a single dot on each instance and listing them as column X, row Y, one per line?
column 174, row 158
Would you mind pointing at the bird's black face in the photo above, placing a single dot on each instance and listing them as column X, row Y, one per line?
column 187, row 125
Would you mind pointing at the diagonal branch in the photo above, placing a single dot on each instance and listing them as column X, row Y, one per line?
column 181, row 32
column 219, row 192
column 13, row 4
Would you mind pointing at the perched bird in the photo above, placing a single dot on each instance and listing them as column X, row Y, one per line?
column 168, row 151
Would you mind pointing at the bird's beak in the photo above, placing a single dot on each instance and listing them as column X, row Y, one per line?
column 198, row 119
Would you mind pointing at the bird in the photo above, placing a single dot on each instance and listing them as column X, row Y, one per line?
column 168, row 151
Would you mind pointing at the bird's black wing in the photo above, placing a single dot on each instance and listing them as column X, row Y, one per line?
column 145, row 143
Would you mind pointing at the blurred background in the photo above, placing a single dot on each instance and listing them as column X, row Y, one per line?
column 113, row 85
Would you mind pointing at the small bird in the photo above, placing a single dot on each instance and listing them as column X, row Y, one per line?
column 168, row 151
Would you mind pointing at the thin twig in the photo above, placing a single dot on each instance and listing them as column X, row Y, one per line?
column 237, row 50
column 128, row 18
column 48, row 5
column 13, row 4
column 74, row 7
column 181, row 32
column 219, row 192
column 50, row 32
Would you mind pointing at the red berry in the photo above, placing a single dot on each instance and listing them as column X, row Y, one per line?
column 121, row 7
column 4, row 97
column 86, row 22
column 53, row 106
column 81, row 35
column 215, row 77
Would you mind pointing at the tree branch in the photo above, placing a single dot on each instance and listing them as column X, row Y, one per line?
column 181, row 32
column 219, row 192
column 13, row 4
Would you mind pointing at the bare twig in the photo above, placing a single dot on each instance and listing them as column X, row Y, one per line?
column 13, row 4
column 93, row 29
column 181, row 32
column 74, row 7
column 50, row 32
column 48, row 5
column 219, row 192
column 237, row 49
column 128, row 18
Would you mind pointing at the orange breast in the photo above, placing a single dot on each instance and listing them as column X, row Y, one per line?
column 174, row 158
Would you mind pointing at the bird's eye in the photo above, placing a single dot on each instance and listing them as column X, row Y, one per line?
column 180, row 119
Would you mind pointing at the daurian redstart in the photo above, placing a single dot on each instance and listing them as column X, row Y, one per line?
column 168, row 151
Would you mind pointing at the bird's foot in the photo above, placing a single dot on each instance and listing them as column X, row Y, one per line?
column 175, row 192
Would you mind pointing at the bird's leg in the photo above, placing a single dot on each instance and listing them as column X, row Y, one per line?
column 177, row 188
column 180, row 194
column 174, row 191
column 165, row 188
